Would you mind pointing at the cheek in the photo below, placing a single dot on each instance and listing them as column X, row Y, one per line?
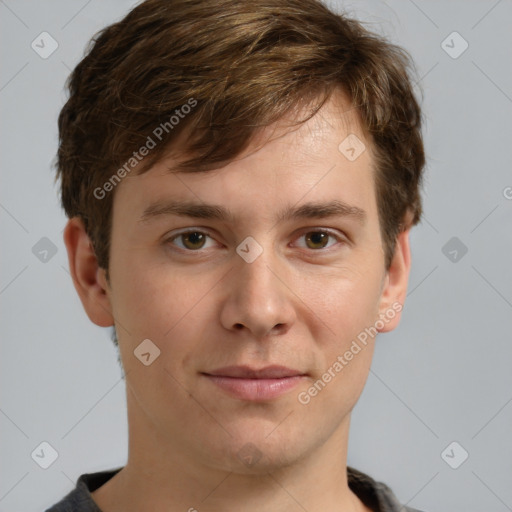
column 348, row 309
column 158, row 301
column 346, row 302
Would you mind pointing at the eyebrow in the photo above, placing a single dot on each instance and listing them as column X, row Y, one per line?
column 311, row 210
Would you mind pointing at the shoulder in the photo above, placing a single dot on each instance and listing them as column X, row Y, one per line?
column 80, row 499
column 376, row 495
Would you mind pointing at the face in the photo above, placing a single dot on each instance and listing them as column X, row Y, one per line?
column 256, row 288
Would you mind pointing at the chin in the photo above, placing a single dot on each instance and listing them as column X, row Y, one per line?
column 259, row 451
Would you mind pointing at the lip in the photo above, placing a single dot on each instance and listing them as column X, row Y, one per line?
column 247, row 372
column 246, row 383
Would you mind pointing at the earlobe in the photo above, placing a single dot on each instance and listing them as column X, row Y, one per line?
column 88, row 277
column 395, row 287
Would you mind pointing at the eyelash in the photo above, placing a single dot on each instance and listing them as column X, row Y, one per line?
column 314, row 230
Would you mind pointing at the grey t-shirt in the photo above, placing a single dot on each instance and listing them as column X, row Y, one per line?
column 376, row 495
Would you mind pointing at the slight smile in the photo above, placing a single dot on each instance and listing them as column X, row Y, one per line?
column 246, row 383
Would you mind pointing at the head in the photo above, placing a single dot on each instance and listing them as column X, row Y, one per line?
column 248, row 106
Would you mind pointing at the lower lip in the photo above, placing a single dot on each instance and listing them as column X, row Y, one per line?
column 255, row 389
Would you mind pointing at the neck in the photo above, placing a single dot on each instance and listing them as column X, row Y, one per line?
column 161, row 474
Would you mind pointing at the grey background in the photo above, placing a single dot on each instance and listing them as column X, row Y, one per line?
column 442, row 376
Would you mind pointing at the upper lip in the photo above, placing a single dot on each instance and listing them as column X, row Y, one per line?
column 246, row 372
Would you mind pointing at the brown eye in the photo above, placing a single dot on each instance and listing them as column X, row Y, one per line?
column 317, row 239
column 195, row 240
column 191, row 240
column 321, row 239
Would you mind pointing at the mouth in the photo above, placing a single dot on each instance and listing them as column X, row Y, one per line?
column 246, row 383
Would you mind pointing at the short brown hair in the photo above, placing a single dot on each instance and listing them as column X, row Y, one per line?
column 245, row 65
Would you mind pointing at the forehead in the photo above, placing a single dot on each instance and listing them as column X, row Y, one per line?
column 325, row 158
column 336, row 118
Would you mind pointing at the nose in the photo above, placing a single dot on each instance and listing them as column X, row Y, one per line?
column 258, row 298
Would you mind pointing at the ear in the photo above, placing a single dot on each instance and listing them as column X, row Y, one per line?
column 89, row 279
column 395, row 284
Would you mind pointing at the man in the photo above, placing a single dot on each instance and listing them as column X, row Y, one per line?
column 241, row 179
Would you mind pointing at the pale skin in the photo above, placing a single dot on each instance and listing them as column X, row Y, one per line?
column 299, row 304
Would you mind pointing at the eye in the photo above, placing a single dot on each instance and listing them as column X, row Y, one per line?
column 193, row 240
column 318, row 239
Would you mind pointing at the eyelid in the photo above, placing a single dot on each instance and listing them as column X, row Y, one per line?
column 186, row 231
column 341, row 238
